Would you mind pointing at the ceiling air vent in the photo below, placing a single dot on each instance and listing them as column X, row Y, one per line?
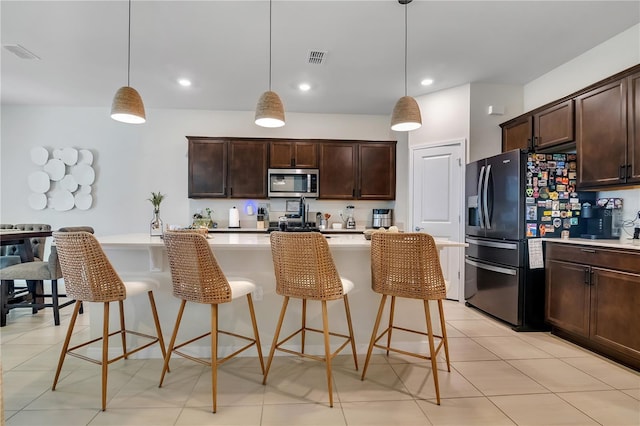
column 20, row 51
column 317, row 57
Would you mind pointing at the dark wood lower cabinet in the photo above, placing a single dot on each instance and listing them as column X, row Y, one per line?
column 593, row 299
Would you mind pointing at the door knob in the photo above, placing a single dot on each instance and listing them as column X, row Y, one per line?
column 418, row 229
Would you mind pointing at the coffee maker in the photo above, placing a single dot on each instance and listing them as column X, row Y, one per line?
column 603, row 221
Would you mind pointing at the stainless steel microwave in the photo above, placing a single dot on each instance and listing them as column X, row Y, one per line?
column 293, row 183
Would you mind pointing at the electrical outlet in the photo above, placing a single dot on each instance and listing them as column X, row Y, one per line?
column 257, row 294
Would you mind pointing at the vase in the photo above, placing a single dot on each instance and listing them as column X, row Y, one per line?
column 156, row 227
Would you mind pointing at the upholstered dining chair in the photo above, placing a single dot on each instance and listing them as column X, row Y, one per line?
column 197, row 278
column 407, row 265
column 90, row 277
column 35, row 271
column 304, row 269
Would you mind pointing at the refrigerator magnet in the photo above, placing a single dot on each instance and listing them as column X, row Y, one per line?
column 532, row 230
column 557, row 223
column 543, row 230
column 532, row 213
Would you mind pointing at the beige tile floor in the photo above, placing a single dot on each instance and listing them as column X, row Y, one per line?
column 498, row 377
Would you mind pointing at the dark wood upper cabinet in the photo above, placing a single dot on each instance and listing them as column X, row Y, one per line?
column 293, row 154
column 358, row 170
column 377, row 177
column 633, row 142
column 554, row 126
column 516, row 133
column 338, row 170
column 248, row 169
column 207, row 168
column 601, row 135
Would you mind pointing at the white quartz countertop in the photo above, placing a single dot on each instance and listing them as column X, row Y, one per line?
column 625, row 244
column 245, row 240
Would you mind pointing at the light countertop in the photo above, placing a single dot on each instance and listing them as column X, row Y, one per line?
column 625, row 244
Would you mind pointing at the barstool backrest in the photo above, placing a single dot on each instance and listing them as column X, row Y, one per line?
column 304, row 267
column 406, row 265
column 88, row 274
column 195, row 272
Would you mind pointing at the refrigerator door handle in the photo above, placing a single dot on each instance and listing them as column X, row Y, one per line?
column 481, row 214
column 492, row 268
column 485, row 198
column 493, row 244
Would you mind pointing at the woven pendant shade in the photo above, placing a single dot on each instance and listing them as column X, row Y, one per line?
column 270, row 111
column 127, row 106
column 406, row 115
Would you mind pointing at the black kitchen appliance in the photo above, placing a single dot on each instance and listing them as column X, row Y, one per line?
column 603, row 221
column 511, row 198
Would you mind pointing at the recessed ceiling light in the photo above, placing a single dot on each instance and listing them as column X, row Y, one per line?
column 305, row 87
column 184, row 82
column 427, row 82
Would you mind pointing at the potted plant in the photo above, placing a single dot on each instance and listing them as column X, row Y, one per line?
column 156, row 222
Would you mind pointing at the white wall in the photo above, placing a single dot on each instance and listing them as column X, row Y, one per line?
column 131, row 161
column 612, row 56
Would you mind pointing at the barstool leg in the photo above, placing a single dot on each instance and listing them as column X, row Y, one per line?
column 123, row 333
column 214, row 355
column 156, row 320
column 373, row 335
column 172, row 342
column 54, row 302
column 275, row 338
column 304, row 321
column 432, row 350
column 444, row 334
column 392, row 312
column 327, row 349
column 67, row 340
column 351, row 337
column 105, row 353
column 256, row 336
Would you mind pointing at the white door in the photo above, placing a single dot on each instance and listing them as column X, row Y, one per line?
column 437, row 179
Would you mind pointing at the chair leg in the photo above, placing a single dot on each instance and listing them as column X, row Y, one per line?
column 432, row 350
column 304, row 322
column 172, row 342
column 214, row 355
column 353, row 340
column 327, row 349
column 123, row 333
column 445, row 341
column 105, row 353
column 4, row 301
column 392, row 312
column 156, row 320
column 373, row 335
column 54, row 302
column 256, row 336
column 275, row 338
column 65, row 346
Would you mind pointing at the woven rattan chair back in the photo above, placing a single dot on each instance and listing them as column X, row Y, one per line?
column 88, row 274
column 406, row 265
column 195, row 272
column 304, row 267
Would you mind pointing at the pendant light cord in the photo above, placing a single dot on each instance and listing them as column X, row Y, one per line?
column 405, row 48
column 129, row 48
column 270, row 45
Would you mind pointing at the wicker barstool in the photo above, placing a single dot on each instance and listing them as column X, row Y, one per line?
column 407, row 265
column 304, row 269
column 90, row 277
column 197, row 278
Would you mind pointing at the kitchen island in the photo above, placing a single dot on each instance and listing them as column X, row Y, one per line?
column 139, row 256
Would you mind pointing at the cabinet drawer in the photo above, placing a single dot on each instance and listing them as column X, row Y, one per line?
column 624, row 260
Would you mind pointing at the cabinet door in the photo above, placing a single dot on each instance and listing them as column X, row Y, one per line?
column 287, row 154
column 554, row 126
column 306, row 155
column 377, row 177
column 281, row 154
column 615, row 297
column 248, row 169
column 633, row 142
column 516, row 134
column 338, row 167
column 601, row 135
column 207, row 168
column 568, row 296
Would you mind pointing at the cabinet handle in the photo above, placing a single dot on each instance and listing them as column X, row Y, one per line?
column 628, row 171
column 230, row 190
column 587, row 250
column 353, row 193
column 293, row 162
column 587, row 276
column 623, row 172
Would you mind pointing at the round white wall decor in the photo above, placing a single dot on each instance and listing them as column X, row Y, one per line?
column 65, row 180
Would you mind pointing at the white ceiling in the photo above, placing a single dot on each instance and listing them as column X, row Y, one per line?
column 223, row 47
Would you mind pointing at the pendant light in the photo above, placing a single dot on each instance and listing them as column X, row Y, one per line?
column 127, row 105
column 406, row 113
column 270, row 111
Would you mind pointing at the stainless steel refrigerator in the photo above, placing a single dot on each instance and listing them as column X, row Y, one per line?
column 511, row 197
